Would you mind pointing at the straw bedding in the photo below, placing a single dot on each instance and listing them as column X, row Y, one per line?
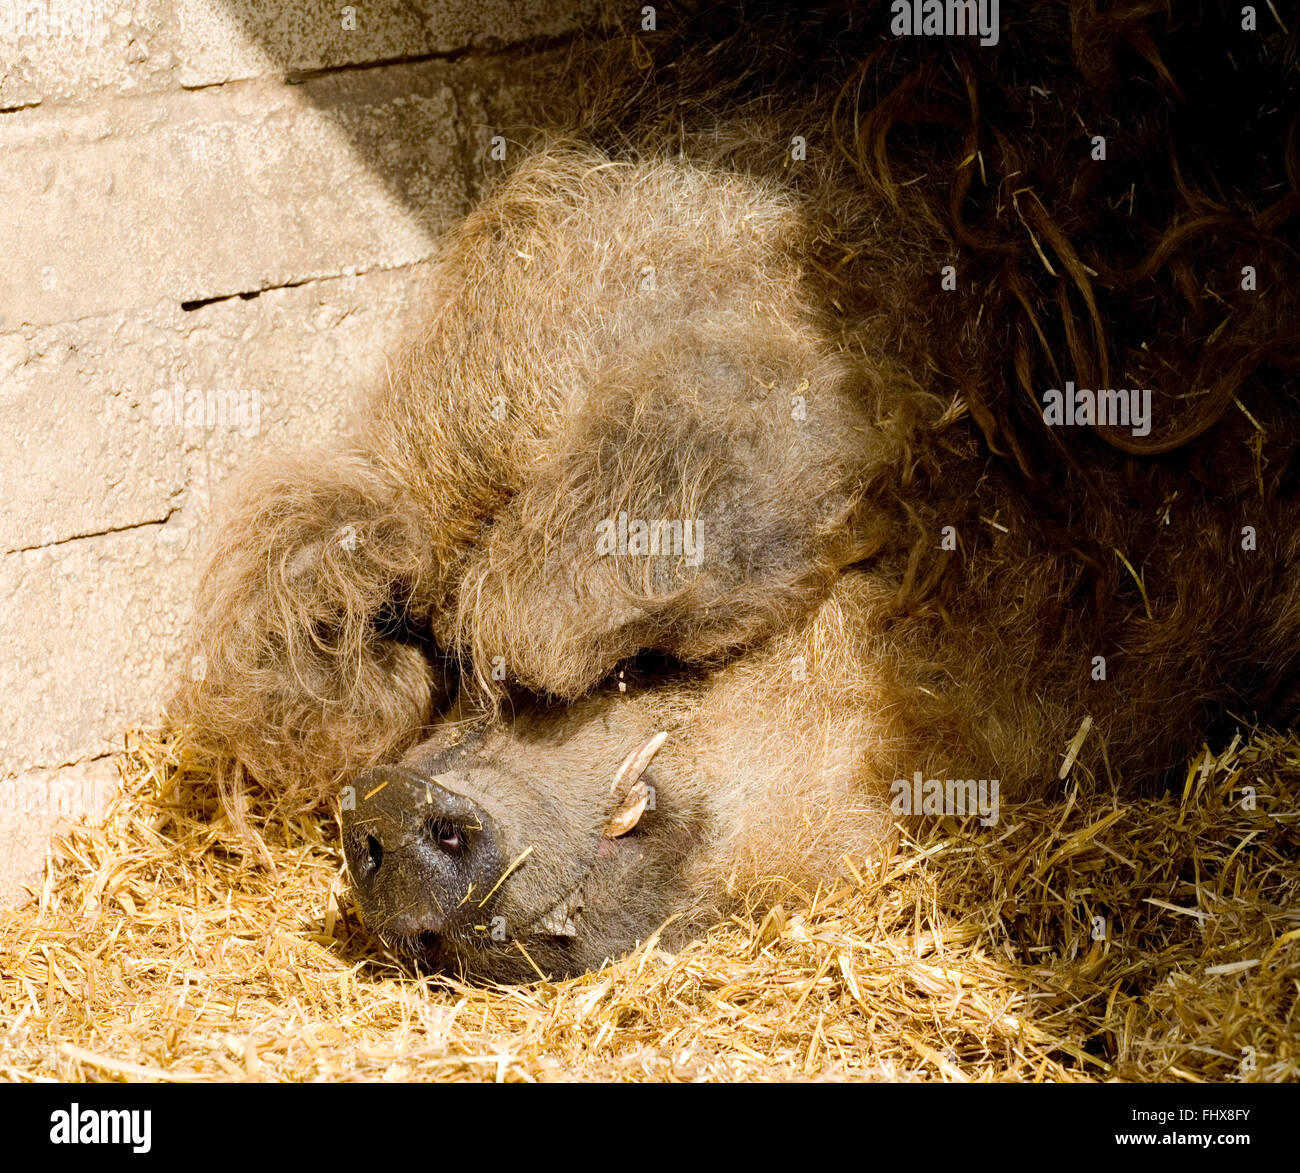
column 1081, row 939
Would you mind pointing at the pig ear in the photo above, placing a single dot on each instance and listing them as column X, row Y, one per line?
column 637, row 798
column 679, row 507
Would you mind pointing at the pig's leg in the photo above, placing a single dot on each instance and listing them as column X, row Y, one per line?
column 311, row 658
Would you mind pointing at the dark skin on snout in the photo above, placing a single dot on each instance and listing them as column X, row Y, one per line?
column 470, row 857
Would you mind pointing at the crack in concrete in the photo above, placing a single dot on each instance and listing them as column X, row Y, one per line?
column 116, row 529
column 297, row 283
column 297, row 77
column 146, row 309
column 82, row 761
column 490, row 53
column 486, row 53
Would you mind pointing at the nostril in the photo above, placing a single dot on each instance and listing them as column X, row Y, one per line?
column 374, row 856
column 447, row 836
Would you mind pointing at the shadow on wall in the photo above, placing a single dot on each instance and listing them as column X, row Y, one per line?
column 402, row 54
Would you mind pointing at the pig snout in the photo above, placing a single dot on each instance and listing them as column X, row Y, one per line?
column 423, row 860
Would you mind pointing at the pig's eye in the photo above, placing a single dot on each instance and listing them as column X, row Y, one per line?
column 646, row 668
column 447, row 836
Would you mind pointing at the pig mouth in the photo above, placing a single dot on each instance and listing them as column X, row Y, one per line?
column 440, row 949
column 564, row 917
column 445, row 950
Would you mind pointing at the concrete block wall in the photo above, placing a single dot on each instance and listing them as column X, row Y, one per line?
column 211, row 217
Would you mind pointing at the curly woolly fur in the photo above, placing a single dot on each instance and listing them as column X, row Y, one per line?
column 621, row 326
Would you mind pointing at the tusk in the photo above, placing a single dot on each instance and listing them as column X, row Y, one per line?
column 637, row 798
column 634, row 765
column 629, row 812
column 556, row 926
column 560, row 921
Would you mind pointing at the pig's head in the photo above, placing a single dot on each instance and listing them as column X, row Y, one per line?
column 546, row 844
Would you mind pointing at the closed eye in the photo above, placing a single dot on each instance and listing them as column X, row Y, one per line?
column 648, row 669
